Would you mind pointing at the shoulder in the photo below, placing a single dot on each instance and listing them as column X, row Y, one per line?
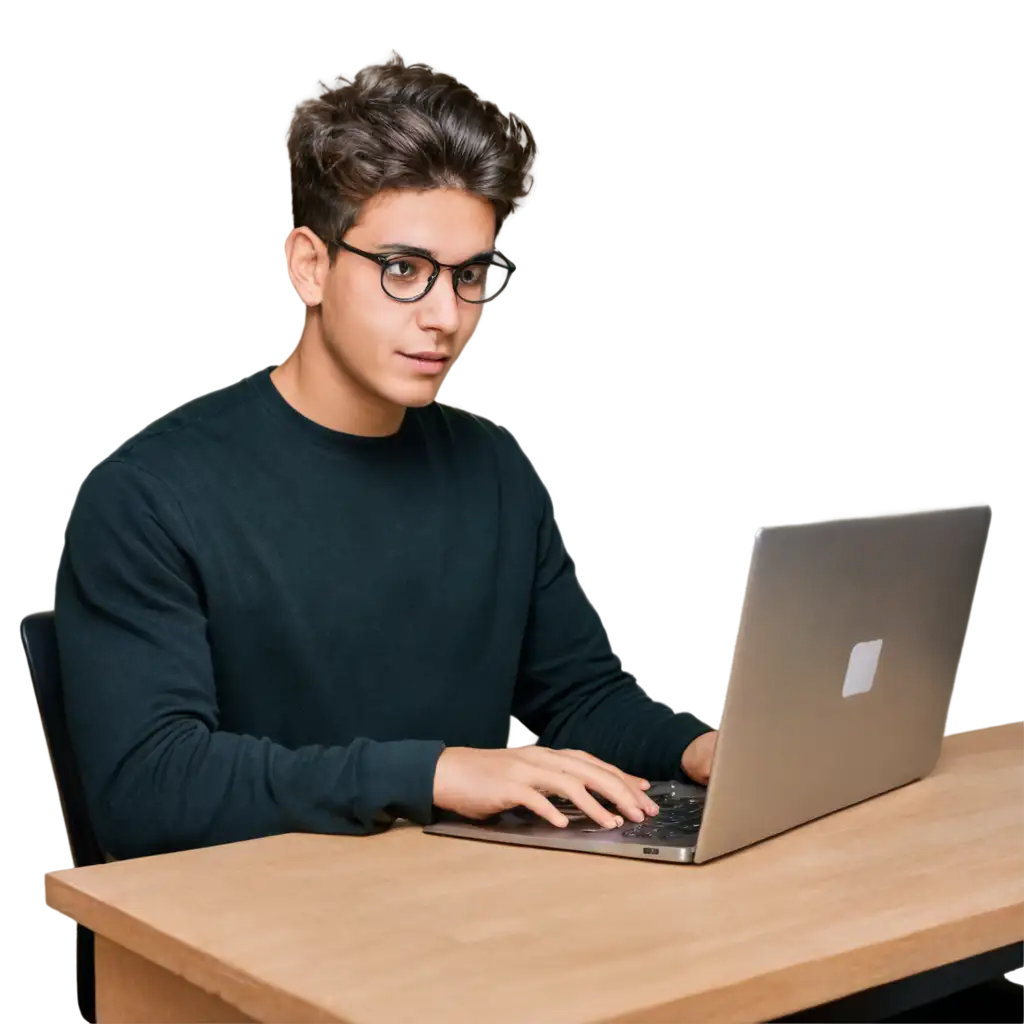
column 176, row 445
column 137, row 481
column 470, row 429
column 120, row 501
column 495, row 449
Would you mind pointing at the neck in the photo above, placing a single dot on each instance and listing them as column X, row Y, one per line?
column 312, row 382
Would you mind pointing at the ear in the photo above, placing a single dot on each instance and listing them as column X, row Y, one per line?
column 308, row 264
column 285, row 275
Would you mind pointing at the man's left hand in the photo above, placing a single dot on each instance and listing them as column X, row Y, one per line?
column 696, row 759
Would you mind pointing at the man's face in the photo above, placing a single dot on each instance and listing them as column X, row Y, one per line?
column 366, row 332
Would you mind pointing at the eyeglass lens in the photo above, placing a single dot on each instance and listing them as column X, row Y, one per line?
column 407, row 277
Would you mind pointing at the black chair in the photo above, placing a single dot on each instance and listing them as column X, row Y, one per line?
column 39, row 638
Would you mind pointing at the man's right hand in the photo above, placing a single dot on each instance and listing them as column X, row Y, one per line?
column 477, row 783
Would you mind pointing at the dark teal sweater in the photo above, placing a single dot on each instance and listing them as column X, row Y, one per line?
column 269, row 626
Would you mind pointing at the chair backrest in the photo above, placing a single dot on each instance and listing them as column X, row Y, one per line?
column 39, row 637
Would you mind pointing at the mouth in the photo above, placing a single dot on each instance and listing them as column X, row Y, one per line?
column 425, row 364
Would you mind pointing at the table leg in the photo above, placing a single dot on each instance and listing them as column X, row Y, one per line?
column 903, row 996
column 131, row 988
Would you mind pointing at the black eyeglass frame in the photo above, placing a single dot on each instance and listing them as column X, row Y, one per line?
column 384, row 258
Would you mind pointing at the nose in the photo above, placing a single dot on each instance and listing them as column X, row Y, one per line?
column 441, row 305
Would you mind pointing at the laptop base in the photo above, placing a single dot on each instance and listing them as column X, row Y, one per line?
column 523, row 827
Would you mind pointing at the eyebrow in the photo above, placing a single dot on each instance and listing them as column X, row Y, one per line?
column 403, row 247
column 406, row 247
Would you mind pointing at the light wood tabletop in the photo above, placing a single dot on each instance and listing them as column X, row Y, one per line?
column 403, row 926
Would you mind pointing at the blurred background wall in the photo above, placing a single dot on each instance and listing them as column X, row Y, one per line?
column 773, row 263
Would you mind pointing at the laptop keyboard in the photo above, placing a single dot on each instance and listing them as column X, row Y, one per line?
column 678, row 817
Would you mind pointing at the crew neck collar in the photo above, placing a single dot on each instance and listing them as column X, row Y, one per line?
column 317, row 433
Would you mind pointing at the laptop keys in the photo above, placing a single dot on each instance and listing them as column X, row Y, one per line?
column 678, row 816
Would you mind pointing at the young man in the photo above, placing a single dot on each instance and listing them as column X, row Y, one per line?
column 311, row 600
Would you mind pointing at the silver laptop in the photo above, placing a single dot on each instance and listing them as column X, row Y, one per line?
column 848, row 646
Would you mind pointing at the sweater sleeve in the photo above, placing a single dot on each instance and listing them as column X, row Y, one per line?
column 141, row 698
column 571, row 689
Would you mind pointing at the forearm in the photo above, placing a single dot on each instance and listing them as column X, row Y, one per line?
column 189, row 787
column 571, row 688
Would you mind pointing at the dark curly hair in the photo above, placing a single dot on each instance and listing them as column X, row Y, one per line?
column 399, row 127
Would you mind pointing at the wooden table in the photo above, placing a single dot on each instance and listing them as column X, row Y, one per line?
column 408, row 927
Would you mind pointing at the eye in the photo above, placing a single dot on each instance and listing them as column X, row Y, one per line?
column 399, row 265
column 408, row 268
column 407, row 276
column 474, row 274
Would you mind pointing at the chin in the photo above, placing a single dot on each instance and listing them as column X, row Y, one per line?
column 414, row 395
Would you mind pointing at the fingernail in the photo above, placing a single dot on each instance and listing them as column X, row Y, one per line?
column 652, row 808
column 637, row 815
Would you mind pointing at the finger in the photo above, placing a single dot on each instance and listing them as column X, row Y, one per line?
column 573, row 790
column 609, row 781
column 611, row 784
column 634, row 785
column 606, row 764
column 542, row 806
column 583, row 755
column 604, row 779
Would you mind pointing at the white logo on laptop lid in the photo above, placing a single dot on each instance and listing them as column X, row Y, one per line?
column 860, row 673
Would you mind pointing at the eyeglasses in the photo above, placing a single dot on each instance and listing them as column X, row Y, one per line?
column 408, row 275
